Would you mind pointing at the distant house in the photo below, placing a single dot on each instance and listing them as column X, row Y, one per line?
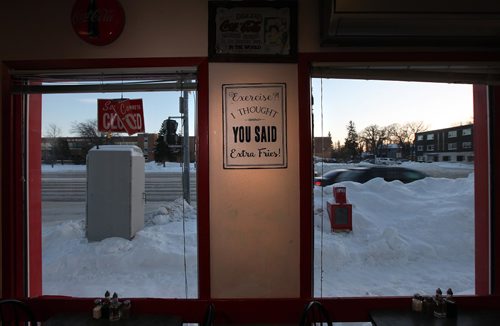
column 392, row 151
column 445, row 145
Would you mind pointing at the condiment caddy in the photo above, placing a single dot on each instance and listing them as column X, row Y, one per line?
column 110, row 307
column 439, row 305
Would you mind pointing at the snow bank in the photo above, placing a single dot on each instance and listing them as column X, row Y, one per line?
column 149, row 265
column 406, row 238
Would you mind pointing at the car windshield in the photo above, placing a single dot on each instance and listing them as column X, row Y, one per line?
column 414, row 175
column 351, row 175
column 332, row 173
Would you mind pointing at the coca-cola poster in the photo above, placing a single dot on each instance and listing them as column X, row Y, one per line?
column 254, row 126
column 252, row 30
column 98, row 22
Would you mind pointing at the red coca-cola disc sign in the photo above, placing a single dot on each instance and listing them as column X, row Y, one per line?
column 98, row 22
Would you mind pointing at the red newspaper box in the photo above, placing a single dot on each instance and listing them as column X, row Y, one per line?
column 340, row 216
column 340, row 195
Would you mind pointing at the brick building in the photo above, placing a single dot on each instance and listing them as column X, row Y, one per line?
column 445, row 145
column 77, row 145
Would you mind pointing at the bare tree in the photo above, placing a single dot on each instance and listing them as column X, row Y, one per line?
column 52, row 134
column 404, row 135
column 415, row 127
column 373, row 137
column 89, row 135
column 384, row 137
column 87, row 130
column 53, row 131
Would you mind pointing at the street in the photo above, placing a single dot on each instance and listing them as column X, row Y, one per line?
column 64, row 193
column 72, row 186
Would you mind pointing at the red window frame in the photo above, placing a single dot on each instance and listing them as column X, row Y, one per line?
column 483, row 266
column 14, row 280
column 20, row 279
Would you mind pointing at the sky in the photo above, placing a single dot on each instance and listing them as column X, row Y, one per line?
column 368, row 102
column 394, row 249
column 64, row 109
column 338, row 101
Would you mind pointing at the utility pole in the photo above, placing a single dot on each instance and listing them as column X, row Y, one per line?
column 183, row 107
column 171, row 140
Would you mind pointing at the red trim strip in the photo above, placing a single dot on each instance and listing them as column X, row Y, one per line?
column 481, row 190
column 305, row 181
column 203, row 183
column 13, row 244
column 35, row 194
column 495, row 184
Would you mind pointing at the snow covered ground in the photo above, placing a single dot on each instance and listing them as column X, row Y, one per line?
column 406, row 238
column 148, row 167
column 150, row 265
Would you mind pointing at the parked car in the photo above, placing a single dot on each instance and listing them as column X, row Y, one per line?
column 329, row 177
column 385, row 160
column 388, row 173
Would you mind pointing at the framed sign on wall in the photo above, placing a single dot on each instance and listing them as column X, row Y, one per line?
column 254, row 126
column 252, row 31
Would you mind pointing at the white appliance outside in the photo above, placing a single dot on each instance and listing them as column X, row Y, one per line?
column 115, row 192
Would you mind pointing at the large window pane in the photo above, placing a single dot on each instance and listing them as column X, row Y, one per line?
column 410, row 233
column 161, row 259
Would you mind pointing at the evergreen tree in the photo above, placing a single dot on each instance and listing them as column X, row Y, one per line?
column 62, row 149
column 351, row 143
column 161, row 148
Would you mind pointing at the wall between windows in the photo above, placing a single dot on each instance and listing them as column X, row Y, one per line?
column 309, row 29
column 254, row 213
